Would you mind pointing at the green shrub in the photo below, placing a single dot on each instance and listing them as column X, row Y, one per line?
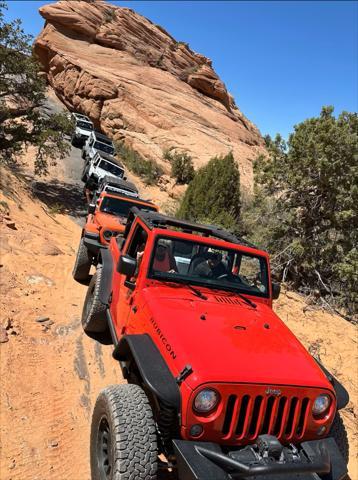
column 182, row 166
column 305, row 207
column 149, row 170
column 109, row 15
column 213, row 196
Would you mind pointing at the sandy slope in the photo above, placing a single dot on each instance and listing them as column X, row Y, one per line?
column 51, row 373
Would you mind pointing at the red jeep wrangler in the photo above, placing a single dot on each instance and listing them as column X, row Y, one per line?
column 216, row 381
column 107, row 217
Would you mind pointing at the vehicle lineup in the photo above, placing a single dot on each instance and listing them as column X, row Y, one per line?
column 218, row 387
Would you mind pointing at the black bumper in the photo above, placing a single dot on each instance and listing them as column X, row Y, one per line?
column 319, row 459
column 91, row 240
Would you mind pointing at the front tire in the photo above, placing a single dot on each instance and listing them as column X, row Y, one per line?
column 123, row 435
column 339, row 433
column 83, row 263
column 94, row 311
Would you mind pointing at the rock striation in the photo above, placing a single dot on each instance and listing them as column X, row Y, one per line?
column 139, row 85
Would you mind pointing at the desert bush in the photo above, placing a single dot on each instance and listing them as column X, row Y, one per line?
column 149, row 170
column 22, row 96
column 305, row 206
column 109, row 15
column 182, row 168
column 213, row 196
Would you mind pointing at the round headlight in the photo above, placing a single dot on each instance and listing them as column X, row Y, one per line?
column 321, row 404
column 107, row 234
column 206, row 400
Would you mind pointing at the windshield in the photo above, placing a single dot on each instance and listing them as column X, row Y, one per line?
column 110, row 167
column 84, row 125
column 196, row 263
column 103, row 147
column 117, row 206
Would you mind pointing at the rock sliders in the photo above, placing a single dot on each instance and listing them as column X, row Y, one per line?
column 140, row 85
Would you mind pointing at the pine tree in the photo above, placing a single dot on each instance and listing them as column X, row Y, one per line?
column 213, row 196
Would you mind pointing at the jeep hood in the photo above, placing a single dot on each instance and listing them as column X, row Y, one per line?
column 100, row 172
column 83, row 132
column 110, row 222
column 226, row 342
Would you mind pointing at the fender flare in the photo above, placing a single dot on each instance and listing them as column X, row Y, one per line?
column 105, row 289
column 152, row 367
column 341, row 393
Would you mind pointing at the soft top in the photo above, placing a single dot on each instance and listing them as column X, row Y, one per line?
column 117, row 182
column 103, row 138
column 110, row 158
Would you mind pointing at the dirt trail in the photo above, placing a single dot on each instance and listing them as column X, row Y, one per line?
column 51, row 372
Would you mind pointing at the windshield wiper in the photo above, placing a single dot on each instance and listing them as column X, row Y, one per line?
column 196, row 291
column 247, row 300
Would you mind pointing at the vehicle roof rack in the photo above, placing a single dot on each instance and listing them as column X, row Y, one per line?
column 158, row 220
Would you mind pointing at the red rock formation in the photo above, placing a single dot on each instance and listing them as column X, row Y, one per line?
column 138, row 83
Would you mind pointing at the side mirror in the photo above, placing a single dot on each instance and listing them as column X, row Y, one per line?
column 276, row 289
column 91, row 208
column 127, row 265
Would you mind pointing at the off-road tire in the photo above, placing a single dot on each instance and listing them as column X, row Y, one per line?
column 123, row 435
column 94, row 311
column 83, row 155
column 339, row 433
column 83, row 263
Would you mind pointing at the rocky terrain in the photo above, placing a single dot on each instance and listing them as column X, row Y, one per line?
column 50, row 371
column 138, row 84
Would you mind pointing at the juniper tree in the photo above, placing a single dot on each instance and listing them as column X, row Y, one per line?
column 23, row 121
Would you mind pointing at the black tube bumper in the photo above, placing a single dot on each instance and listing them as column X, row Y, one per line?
column 318, row 459
column 91, row 240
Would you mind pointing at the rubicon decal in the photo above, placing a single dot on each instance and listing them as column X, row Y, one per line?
column 163, row 339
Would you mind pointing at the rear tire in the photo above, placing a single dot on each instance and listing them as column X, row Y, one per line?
column 83, row 155
column 123, row 435
column 94, row 311
column 83, row 263
column 339, row 433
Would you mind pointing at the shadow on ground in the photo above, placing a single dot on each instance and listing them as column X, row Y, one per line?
column 61, row 197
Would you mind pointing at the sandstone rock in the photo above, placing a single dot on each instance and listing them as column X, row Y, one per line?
column 138, row 84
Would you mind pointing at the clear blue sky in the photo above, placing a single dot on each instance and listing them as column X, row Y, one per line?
column 282, row 60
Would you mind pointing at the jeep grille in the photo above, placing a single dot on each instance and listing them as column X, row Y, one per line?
column 247, row 417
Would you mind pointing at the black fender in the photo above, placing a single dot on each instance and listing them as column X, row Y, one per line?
column 152, row 367
column 105, row 288
column 341, row 393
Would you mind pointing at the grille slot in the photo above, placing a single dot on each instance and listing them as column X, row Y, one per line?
column 268, row 414
column 242, row 415
column 255, row 415
column 248, row 417
column 228, row 415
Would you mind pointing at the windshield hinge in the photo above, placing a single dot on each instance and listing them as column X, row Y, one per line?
column 187, row 370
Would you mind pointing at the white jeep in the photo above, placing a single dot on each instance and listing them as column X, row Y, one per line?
column 97, row 142
column 101, row 165
column 83, row 129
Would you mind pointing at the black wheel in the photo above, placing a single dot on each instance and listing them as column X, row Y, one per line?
column 82, row 264
column 74, row 142
column 339, row 433
column 94, row 311
column 83, row 155
column 123, row 435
